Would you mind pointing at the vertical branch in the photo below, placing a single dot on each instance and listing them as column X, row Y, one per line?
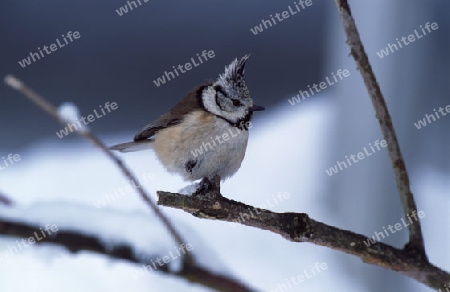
column 398, row 164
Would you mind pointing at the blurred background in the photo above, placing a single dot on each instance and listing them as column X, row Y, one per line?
column 116, row 59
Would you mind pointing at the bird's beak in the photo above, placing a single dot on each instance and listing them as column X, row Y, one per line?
column 255, row 108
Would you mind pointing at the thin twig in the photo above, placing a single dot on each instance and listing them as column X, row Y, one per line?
column 51, row 110
column 299, row 227
column 398, row 164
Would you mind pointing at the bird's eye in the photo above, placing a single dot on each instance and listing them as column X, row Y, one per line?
column 236, row 102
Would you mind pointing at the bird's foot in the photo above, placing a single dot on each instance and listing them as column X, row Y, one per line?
column 204, row 186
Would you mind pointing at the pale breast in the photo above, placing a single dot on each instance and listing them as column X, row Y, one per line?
column 203, row 145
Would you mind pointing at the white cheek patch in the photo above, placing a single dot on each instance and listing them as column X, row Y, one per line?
column 209, row 101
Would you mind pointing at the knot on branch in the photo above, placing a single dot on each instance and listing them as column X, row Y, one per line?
column 210, row 204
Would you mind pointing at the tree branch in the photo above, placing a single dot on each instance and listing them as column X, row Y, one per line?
column 299, row 227
column 51, row 110
column 398, row 164
column 75, row 242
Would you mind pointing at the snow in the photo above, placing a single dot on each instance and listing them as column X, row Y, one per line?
column 13, row 82
column 69, row 112
column 60, row 182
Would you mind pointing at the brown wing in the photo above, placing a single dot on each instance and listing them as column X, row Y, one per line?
column 189, row 103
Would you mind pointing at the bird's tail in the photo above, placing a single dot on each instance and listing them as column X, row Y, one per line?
column 133, row 146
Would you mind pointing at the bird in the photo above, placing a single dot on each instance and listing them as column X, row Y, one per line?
column 206, row 133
